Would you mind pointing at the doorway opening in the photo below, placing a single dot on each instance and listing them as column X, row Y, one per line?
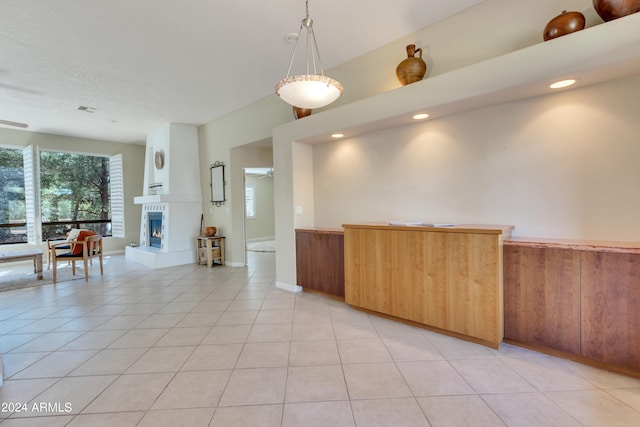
column 259, row 214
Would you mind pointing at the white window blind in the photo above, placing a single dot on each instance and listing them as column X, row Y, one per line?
column 117, row 195
column 250, row 202
column 32, row 194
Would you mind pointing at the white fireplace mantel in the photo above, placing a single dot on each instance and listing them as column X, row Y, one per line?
column 167, row 198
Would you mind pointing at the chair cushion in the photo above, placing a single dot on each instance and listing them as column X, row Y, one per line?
column 73, row 234
column 70, row 255
column 77, row 249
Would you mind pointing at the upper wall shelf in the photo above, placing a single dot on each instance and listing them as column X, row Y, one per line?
column 596, row 54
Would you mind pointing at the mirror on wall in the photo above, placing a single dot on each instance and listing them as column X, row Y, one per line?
column 217, row 183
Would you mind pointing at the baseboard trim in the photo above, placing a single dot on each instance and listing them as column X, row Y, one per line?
column 235, row 264
column 288, row 287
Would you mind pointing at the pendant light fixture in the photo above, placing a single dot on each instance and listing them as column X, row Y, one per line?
column 308, row 90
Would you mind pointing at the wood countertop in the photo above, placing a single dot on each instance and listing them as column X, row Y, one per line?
column 321, row 230
column 582, row 245
column 454, row 228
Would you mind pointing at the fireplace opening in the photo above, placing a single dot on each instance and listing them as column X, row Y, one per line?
column 155, row 229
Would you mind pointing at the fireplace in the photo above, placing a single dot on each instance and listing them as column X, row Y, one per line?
column 155, row 229
column 171, row 200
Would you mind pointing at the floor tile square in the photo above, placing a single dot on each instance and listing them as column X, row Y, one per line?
column 57, row 364
column 216, row 356
column 306, row 353
column 363, row 351
column 314, row 331
column 122, row 419
column 529, row 410
column 94, row 340
column 130, row 393
column 139, row 338
column 403, row 412
column 594, row 408
column 248, row 416
column 161, row 359
column 491, row 376
column 231, row 318
column 109, row 362
column 199, row 319
column 458, row 411
column 315, row 383
column 270, row 332
column 183, row 336
column 317, row 414
column 259, row 386
column 375, row 380
column 174, row 417
column 264, row 355
column 68, row 396
column 201, row 389
column 16, row 362
column 433, row 378
column 274, row 316
column 160, row 321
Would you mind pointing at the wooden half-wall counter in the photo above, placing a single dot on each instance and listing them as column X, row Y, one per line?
column 320, row 260
column 575, row 298
column 448, row 279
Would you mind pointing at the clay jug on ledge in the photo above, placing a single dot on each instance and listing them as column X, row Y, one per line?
column 614, row 9
column 563, row 24
column 299, row 113
column 413, row 68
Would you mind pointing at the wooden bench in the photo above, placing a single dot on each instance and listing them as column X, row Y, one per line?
column 33, row 254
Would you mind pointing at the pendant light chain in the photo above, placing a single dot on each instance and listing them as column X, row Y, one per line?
column 313, row 90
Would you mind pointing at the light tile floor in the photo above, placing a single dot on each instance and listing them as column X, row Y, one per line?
column 222, row 347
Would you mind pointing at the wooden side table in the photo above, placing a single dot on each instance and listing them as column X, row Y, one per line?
column 209, row 249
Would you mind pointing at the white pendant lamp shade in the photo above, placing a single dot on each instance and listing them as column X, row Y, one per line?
column 309, row 91
column 313, row 89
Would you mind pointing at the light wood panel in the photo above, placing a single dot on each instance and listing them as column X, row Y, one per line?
column 475, row 293
column 449, row 279
column 427, row 278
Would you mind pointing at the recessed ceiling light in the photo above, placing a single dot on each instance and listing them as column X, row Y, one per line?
column 337, row 135
column 563, row 83
column 420, row 116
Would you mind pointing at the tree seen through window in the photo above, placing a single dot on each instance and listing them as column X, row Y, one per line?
column 74, row 188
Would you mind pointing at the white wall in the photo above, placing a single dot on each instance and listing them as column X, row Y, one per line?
column 563, row 166
column 262, row 226
column 487, row 30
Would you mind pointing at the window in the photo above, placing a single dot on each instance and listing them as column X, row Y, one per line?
column 74, row 193
column 250, row 202
column 44, row 194
column 13, row 216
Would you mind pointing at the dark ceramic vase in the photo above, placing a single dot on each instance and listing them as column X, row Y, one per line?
column 614, row 9
column 413, row 68
column 299, row 113
column 563, row 24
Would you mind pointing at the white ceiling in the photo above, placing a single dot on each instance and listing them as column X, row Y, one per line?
column 142, row 63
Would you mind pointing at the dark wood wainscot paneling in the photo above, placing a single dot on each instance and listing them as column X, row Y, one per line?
column 578, row 299
column 320, row 260
column 611, row 308
column 542, row 297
